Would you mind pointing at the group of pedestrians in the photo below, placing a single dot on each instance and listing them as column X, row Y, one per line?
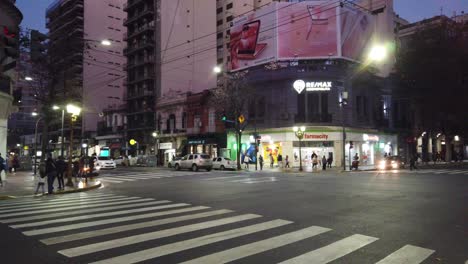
column 324, row 161
column 11, row 164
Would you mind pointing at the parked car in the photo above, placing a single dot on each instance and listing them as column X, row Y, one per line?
column 104, row 163
column 221, row 163
column 194, row 162
column 391, row 163
column 171, row 164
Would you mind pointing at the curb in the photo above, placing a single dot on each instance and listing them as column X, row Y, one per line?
column 92, row 187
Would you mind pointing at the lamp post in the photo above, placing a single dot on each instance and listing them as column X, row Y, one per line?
column 35, row 142
column 343, row 102
column 74, row 112
column 299, row 132
column 156, row 146
column 62, row 145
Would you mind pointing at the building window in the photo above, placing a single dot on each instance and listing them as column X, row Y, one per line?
column 229, row 6
column 184, row 120
column 219, row 22
column 358, row 105
column 229, row 18
column 219, row 35
column 219, row 10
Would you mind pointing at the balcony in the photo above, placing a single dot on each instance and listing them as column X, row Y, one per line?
column 149, row 27
column 145, row 12
column 140, row 94
column 148, row 60
column 141, row 78
column 142, row 45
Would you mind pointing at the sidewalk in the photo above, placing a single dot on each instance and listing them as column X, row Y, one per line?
column 24, row 183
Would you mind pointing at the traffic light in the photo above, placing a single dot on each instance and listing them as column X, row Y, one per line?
column 224, row 118
column 37, row 45
column 9, row 39
column 241, row 119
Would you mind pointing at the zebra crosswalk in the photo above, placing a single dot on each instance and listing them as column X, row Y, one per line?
column 429, row 171
column 232, row 178
column 91, row 228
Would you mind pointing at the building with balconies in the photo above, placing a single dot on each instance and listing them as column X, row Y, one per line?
column 94, row 74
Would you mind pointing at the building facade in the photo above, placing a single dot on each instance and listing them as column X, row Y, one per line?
column 87, row 36
column 10, row 19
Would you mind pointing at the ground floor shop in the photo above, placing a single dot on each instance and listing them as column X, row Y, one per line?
column 369, row 145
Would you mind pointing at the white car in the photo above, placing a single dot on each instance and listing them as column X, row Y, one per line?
column 104, row 163
column 221, row 163
column 194, row 162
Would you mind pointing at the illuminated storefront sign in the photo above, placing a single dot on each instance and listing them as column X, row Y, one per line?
column 316, row 136
column 367, row 137
column 300, row 85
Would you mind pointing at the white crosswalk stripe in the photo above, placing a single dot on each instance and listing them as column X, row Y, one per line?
column 23, row 201
column 408, row 255
column 103, row 229
column 131, row 177
column 260, row 246
column 111, row 181
column 256, row 180
column 333, row 251
column 195, row 242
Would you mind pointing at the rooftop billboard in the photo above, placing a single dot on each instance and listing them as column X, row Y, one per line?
column 300, row 30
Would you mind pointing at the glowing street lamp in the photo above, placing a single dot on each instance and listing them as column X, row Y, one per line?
column 378, row 53
column 74, row 111
column 28, row 78
column 106, row 42
column 299, row 132
column 217, row 69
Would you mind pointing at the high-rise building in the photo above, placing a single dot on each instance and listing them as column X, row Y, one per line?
column 10, row 18
column 87, row 37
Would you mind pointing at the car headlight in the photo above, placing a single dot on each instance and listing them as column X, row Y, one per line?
column 394, row 165
column 382, row 165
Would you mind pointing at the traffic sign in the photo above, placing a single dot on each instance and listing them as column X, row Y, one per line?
column 241, row 119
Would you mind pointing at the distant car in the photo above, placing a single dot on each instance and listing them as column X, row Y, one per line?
column 104, row 163
column 194, row 162
column 221, row 163
column 171, row 164
column 391, row 163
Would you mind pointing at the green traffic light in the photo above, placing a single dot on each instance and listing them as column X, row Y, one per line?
column 223, row 118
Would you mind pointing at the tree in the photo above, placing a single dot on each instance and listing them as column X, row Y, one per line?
column 230, row 100
column 432, row 67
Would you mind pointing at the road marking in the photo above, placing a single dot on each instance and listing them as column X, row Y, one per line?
column 120, row 242
column 38, row 217
column 115, row 179
column 45, row 200
column 333, row 251
column 124, row 228
column 407, row 255
column 134, row 177
column 45, row 206
column 61, row 201
column 72, row 208
column 192, row 243
column 441, row 171
column 260, row 246
column 259, row 181
column 86, row 217
column 228, row 177
column 457, row 172
column 111, row 181
column 253, row 179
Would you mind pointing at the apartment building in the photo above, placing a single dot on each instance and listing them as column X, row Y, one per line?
column 87, row 37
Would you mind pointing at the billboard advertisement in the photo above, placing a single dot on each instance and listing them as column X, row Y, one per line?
column 307, row 30
column 300, row 30
column 253, row 38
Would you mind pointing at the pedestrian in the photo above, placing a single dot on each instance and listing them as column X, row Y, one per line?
column 413, row 163
column 51, row 172
column 10, row 163
column 324, row 163
column 246, row 161
column 91, row 164
column 61, row 168
column 2, row 168
column 260, row 160
column 314, row 162
column 82, row 166
column 76, row 167
column 16, row 163
column 287, row 162
column 313, row 155
column 280, row 160
column 272, row 160
column 330, row 160
column 41, row 178
column 356, row 161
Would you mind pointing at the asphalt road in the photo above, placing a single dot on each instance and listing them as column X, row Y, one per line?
column 269, row 217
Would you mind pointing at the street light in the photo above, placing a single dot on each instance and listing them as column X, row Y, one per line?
column 74, row 111
column 217, row 69
column 106, row 42
column 62, row 145
column 378, row 53
column 299, row 132
column 35, row 141
column 156, row 143
column 28, row 78
column 343, row 102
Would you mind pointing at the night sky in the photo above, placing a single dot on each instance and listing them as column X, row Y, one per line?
column 412, row 10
